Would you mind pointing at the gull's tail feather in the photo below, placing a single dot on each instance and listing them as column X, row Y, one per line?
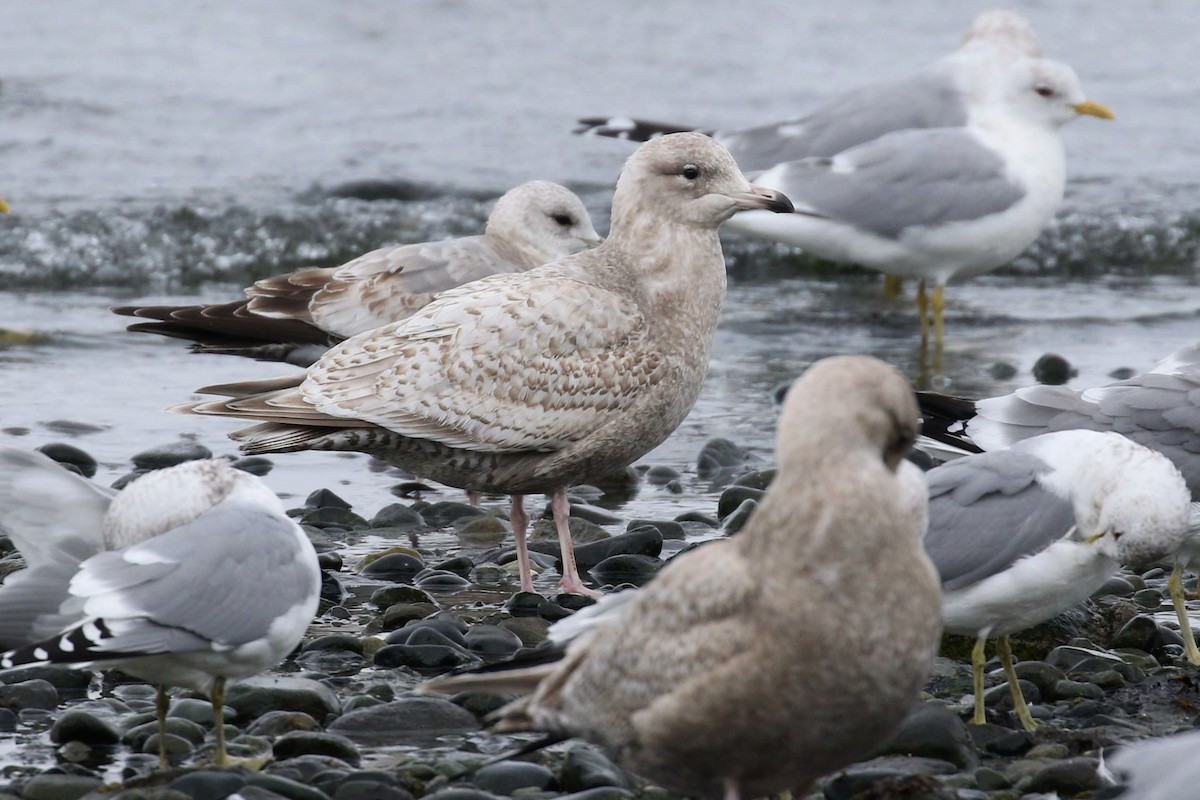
column 227, row 326
column 633, row 130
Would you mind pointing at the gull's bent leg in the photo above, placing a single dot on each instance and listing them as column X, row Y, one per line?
column 1014, row 685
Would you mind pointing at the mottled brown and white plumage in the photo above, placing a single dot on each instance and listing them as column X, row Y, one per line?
column 758, row 663
column 532, row 381
column 297, row 315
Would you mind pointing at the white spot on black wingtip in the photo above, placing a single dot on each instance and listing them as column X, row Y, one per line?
column 41, row 654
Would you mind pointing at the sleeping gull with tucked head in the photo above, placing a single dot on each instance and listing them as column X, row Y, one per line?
column 296, row 316
column 943, row 95
column 760, row 662
column 1159, row 409
column 192, row 576
column 533, row 381
column 1021, row 535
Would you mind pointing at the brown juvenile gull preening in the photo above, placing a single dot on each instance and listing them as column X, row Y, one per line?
column 532, row 381
column 192, row 576
column 296, row 316
column 761, row 662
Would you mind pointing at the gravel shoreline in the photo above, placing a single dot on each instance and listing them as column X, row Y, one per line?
column 434, row 591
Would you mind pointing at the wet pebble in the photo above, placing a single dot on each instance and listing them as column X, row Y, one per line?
column 934, row 731
column 508, row 776
column 440, row 580
column 56, row 786
column 733, row 497
column 626, row 568
column 397, row 567
column 755, row 479
column 668, row 529
column 492, row 640
column 333, row 517
column 719, row 458
column 75, row 725
column 35, row 693
column 459, row 565
column 168, row 455
column 543, row 536
column 255, row 465
column 1052, row 370
column 397, row 515
column 208, row 784
column 71, row 457
column 738, row 518
column 891, row 777
column 585, row 767
column 646, row 541
column 277, row 723
column 300, row 743
column 446, row 512
column 256, row 696
column 1002, row 371
column 409, row 720
column 1069, row 777
column 661, row 475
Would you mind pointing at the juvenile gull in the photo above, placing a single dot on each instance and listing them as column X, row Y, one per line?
column 1021, row 535
column 1159, row 409
column 757, row 663
column 296, row 316
column 940, row 96
column 192, row 576
column 532, row 381
column 937, row 203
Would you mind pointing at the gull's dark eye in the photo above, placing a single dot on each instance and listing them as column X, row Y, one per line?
column 690, row 171
column 1044, row 91
column 564, row 220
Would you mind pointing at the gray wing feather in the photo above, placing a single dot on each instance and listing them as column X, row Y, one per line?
column 929, row 99
column 986, row 512
column 31, row 604
column 902, row 180
column 225, row 577
column 50, row 513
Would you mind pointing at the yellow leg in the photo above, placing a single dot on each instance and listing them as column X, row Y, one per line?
column 977, row 662
column 218, row 703
column 161, row 704
column 892, row 286
column 1014, row 685
column 939, row 302
column 923, row 311
column 1175, row 589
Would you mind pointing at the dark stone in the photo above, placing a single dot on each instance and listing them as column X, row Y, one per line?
column 356, row 788
column 168, row 455
column 325, row 498
column 492, row 640
column 434, row 580
column 287, row 787
column 508, row 776
column 441, row 514
column 543, row 534
column 1071, row 690
column 626, row 569
column 176, row 726
column 450, row 629
column 397, row 515
column 75, row 725
column 8, row 720
column 891, row 777
column 397, row 567
column 300, row 743
column 388, row 596
column 1000, row 695
column 334, row 517
column 1140, row 633
column 1068, row 777
column 1000, row 740
column 208, row 784
column 734, row 496
column 332, row 590
column 421, row 656
column 404, row 613
column 661, row 475
column 590, row 513
column 755, row 479
column 70, row 455
column 1115, row 586
column 599, row 793
column 1053, row 370
column 934, row 731
column 1002, row 371
column 462, row 793
column 330, row 560
column 585, row 767
column 255, row 465
column 700, row 517
column 621, row 484
column 256, row 696
column 334, row 641
column 741, row 515
column 1042, row 675
column 459, row 565
column 66, row 681
column 719, row 457
column 409, row 720
column 54, row 786
column 277, row 723
column 669, row 529
column 643, row 541
column 35, row 693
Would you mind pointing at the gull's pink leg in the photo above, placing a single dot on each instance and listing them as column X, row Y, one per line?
column 570, row 581
column 520, row 521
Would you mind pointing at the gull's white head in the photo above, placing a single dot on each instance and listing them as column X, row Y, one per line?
column 1130, row 501
column 1001, row 29
column 543, row 220
column 689, row 179
column 1044, row 92
column 167, row 498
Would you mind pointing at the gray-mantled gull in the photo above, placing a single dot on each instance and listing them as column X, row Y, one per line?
column 296, row 316
column 532, row 381
column 192, row 576
column 1021, row 535
column 760, row 662
column 942, row 95
column 1163, row 768
column 1159, row 409
column 937, row 203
